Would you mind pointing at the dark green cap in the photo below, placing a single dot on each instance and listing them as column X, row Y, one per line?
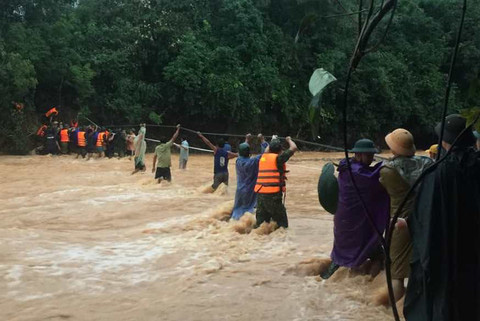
column 364, row 145
column 244, row 150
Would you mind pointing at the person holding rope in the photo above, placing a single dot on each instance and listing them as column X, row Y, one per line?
column 444, row 282
column 162, row 160
column 355, row 241
column 247, row 171
column 183, row 159
column 221, row 157
column 270, row 186
column 397, row 175
column 140, row 149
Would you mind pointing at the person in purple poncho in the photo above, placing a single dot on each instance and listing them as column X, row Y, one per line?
column 355, row 241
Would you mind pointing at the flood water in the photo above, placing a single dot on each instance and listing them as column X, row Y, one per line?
column 86, row 240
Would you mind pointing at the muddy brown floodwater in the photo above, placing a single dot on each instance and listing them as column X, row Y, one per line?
column 85, row 240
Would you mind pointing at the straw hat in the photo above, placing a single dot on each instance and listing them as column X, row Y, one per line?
column 401, row 142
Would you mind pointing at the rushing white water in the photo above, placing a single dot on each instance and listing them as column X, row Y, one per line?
column 85, row 240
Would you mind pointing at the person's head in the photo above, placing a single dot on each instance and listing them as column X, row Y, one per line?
column 260, row 136
column 364, row 150
column 163, row 139
column 131, row 132
column 221, row 142
column 244, row 150
column 184, row 139
column 454, row 126
column 401, row 143
column 433, row 151
column 227, row 139
column 275, row 146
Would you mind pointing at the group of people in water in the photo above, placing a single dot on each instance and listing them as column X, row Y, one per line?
column 435, row 243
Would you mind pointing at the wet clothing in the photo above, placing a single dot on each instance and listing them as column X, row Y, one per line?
column 91, row 139
column 130, row 145
column 444, row 283
column 220, row 161
column 120, row 144
column 182, row 163
column 51, row 142
column 270, row 206
column 140, row 148
column 397, row 176
column 184, row 152
column 64, row 147
column 245, row 196
column 355, row 241
column 219, row 178
column 163, row 173
column 164, row 155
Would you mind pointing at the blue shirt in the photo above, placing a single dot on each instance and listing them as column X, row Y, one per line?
column 263, row 146
column 220, row 161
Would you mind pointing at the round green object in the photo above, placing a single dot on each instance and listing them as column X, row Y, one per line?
column 328, row 189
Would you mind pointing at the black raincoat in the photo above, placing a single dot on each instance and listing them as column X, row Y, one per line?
column 444, row 283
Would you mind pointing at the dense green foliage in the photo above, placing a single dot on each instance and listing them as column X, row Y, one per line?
column 229, row 65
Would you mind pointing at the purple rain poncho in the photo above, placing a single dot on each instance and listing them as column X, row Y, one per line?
column 245, row 196
column 354, row 238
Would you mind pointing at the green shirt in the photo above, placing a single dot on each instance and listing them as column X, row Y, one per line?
column 163, row 155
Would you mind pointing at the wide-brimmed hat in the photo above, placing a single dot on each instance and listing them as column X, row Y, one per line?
column 476, row 134
column 454, row 125
column 401, row 142
column 364, row 145
column 433, row 149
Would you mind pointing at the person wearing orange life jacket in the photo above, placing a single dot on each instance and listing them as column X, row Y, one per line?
column 64, row 140
column 101, row 142
column 81, row 142
column 270, row 184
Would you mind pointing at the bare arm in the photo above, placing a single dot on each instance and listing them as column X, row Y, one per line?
column 206, row 141
column 154, row 163
column 292, row 146
column 174, row 137
column 232, row 155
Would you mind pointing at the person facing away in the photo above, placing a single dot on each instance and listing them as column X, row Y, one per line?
column 355, row 242
column 270, row 185
column 184, row 149
column 81, row 142
column 397, row 175
column 162, row 160
column 221, row 157
column 64, row 140
column 444, row 283
column 247, row 171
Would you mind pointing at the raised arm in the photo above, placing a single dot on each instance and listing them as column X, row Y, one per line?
column 206, row 141
column 292, row 146
column 175, row 135
column 232, row 155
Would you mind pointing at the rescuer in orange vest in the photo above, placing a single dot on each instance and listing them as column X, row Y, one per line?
column 270, row 184
column 64, row 140
column 81, row 142
column 101, row 142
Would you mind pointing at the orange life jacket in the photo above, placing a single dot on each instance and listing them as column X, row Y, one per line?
column 64, row 136
column 270, row 179
column 81, row 139
column 100, row 139
column 52, row 111
column 41, row 130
